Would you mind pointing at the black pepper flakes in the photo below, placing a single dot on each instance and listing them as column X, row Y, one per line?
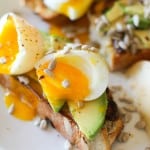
column 41, row 77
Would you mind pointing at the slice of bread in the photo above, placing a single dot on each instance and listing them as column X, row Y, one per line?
column 38, row 7
column 64, row 123
column 116, row 60
column 103, row 140
column 122, row 43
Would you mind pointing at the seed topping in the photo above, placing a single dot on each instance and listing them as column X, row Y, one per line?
column 65, row 83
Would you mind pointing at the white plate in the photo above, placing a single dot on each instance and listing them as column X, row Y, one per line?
column 18, row 135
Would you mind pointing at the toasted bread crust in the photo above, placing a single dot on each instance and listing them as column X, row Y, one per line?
column 103, row 140
column 120, row 61
column 117, row 61
column 38, row 7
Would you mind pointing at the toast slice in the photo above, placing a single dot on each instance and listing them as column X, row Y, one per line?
column 46, row 13
column 64, row 123
column 123, row 42
column 103, row 140
column 40, row 8
column 118, row 60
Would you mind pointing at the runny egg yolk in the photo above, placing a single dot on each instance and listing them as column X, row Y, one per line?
column 73, row 9
column 74, row 3
column 23, row 110
column 25, row 101
column 78, row 6
column 8, row 46
column 77, row 89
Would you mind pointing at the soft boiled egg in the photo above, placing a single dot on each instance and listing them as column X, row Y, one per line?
column 73, row 9
column 21, row 45
column 76, row 75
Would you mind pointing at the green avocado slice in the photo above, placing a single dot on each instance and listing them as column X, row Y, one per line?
column 115, row 12
column 56, row 104
column 90, row 118
column 144, row 23
column 137, row 9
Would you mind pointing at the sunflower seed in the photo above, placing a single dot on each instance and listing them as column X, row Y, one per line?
column 125, row 100
column 52, row 64
column 11, row 109
column 126, row 117
column 136, row 20
column 115, row 88
column 140, row 124
column 3, row 60
column 122, row 45
column 119, row 27
column 65, row 83
column 122, row 111
column 101, row 22
column 126, row 40
column 85, row 47
column 130, row 108
column 104, row 19
column 43, row 124
column 129, row 28
column 67, row 126
column 76, row 46
column 37, row 121
column 93, row 49
column 48, row 72
column 67, row 49
column 23, row 80
column 123, row 137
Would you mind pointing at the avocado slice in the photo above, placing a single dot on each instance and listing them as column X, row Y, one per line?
column 144, row 23
column 56, row 104
column 137, row 9
column 144, row 36
column 115, row 12
column 57, row 42
column 91, row 116
column 53, row 42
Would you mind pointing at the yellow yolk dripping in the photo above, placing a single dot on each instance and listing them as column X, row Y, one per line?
column 25, row 101
column 52, row 85
column 22, row 109
column 8, row 45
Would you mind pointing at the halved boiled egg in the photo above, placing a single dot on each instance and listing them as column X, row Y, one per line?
column 73, row 9
column 21, row 45
column 74, row 75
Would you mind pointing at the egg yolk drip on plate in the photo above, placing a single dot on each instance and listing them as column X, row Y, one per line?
column 23, row 100
column 8, row 46
column 65, row 81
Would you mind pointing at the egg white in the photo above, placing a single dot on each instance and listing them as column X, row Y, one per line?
column 72, row 12
column 91, row 64
column 30, row 44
